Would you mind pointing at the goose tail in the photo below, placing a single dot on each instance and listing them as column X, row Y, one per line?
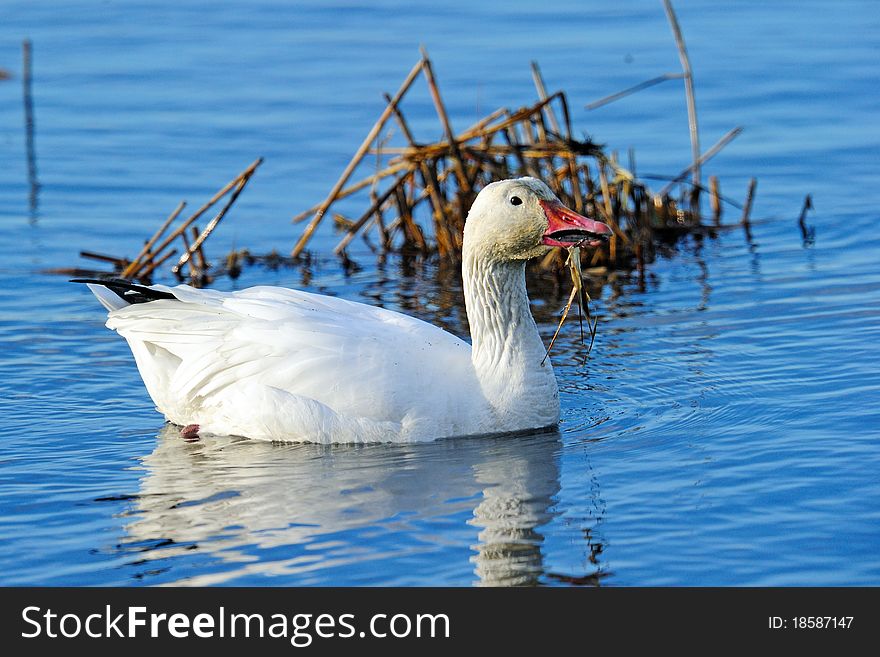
column 118, row 293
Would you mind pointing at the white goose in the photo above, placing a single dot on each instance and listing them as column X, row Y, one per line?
column 276, row 364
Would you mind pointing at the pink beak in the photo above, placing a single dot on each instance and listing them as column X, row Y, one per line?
column 567, row 228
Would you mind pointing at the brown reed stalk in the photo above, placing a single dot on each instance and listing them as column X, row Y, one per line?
column 198, row 253
column 356, row 159
column 609, row 210
column 119, row 263
column 479, row 128
column 747, row 206
column 715, row 199
column 429, row 180
column 211, row 224
column 689, row 90
column 132, row 269
column 728, row 136
column 360, row 222
column 186, row 250
column 244, row 176
column 379, row 220
column 233, row 264
column 412, row 233
column 631, row 90
column 155, row 264
column 554, row 124
column 538, row 79
column 356, row 187
column 463, row 182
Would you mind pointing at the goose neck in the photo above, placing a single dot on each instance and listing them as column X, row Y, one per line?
column 504, row 335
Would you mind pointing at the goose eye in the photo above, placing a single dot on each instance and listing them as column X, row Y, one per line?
column 515, row 200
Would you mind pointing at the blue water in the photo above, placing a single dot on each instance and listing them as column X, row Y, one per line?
column 724, row 431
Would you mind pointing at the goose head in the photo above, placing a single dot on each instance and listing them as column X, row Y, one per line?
column 519, row 219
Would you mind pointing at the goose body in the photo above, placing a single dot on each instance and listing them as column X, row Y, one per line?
column 277, row 364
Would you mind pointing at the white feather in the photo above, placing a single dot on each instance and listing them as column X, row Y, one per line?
column 278, row 364
column 275, row 364
column 109, row 299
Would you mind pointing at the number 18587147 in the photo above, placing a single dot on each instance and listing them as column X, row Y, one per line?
column 810, row 622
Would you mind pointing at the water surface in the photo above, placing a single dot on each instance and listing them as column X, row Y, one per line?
column 724, row 431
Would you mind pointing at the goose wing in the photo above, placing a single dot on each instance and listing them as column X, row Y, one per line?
column 354, row 358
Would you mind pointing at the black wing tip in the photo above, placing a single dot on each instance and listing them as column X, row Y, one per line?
column 126, row 290
column 101, row 281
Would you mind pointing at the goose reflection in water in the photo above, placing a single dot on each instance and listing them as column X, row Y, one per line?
column 226, row 510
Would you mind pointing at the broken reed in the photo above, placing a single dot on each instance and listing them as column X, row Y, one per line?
column 419, row 193
column 192, row 263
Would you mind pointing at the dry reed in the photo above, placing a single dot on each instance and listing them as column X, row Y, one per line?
column 192, row 262
column 533, row 140
column 416, row 195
